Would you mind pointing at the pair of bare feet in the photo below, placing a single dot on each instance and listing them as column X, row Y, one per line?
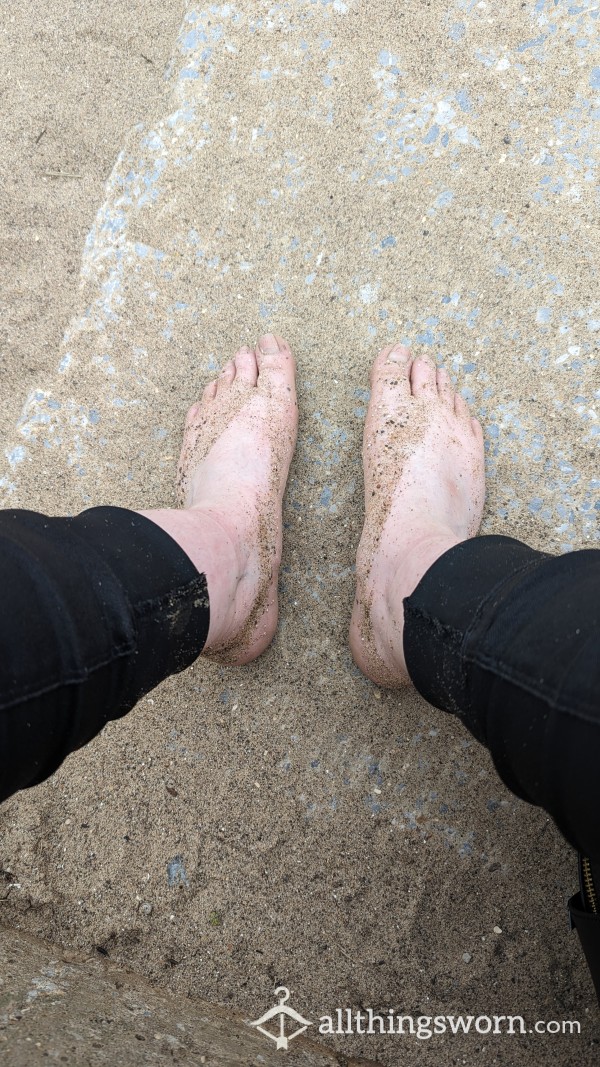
column 424, row 491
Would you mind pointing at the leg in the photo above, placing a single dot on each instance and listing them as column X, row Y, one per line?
column 505, row 637
column 100, row 608
column 501, row 635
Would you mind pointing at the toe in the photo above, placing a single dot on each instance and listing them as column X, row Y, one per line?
column 423, row 377
column 192, row 415
column 392, row 367
column 390, row 389
column 276, row 365
column 477, row 428
column 461, row 408
column 444, row 387
column 246, row 369
column 210, row 392
column 227, row 375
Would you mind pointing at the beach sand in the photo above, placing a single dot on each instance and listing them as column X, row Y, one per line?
column 177, row 181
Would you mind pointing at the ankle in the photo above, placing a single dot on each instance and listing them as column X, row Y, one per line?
column 224, row 556
column 403, row 574
column 419, row 553
column 216, row 553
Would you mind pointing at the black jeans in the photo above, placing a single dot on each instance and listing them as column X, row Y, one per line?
column 98, row 609
column 509, row 640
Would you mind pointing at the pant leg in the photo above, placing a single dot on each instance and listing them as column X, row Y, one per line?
column 96, row 611
column 509, row 639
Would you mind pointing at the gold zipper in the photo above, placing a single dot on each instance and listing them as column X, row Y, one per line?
column 588, row 884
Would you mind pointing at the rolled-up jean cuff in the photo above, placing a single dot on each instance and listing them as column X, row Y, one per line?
column 448, row 601
column 167, row 594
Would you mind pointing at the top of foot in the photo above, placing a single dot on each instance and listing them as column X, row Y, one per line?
column 424, row 493
column 238, row 444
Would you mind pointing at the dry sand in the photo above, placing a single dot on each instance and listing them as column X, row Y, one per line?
column 346, row 174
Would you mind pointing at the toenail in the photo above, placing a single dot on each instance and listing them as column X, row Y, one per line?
column 268, row 343
column 401, row 352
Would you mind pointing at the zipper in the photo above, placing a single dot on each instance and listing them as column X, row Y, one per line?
column 588, row 888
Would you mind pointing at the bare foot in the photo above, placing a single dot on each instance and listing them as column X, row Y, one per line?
column 424, row 492
column 237, row 447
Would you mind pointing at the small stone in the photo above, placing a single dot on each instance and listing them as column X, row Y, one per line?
column 146, row 909
column 497, row 929
column 467, row 957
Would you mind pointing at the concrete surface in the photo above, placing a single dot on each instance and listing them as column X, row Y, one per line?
column 60, row 1007
column 344, row 173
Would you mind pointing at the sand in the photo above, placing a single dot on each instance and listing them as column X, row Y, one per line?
column 346, row 175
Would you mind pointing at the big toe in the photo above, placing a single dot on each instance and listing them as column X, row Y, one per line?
column 392, row 366
column 276, row 366
column 390, row 383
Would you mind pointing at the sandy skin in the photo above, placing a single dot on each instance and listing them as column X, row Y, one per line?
column 424, row 492
column 238, row 443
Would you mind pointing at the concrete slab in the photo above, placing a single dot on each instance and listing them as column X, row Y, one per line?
column 61, row 1007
